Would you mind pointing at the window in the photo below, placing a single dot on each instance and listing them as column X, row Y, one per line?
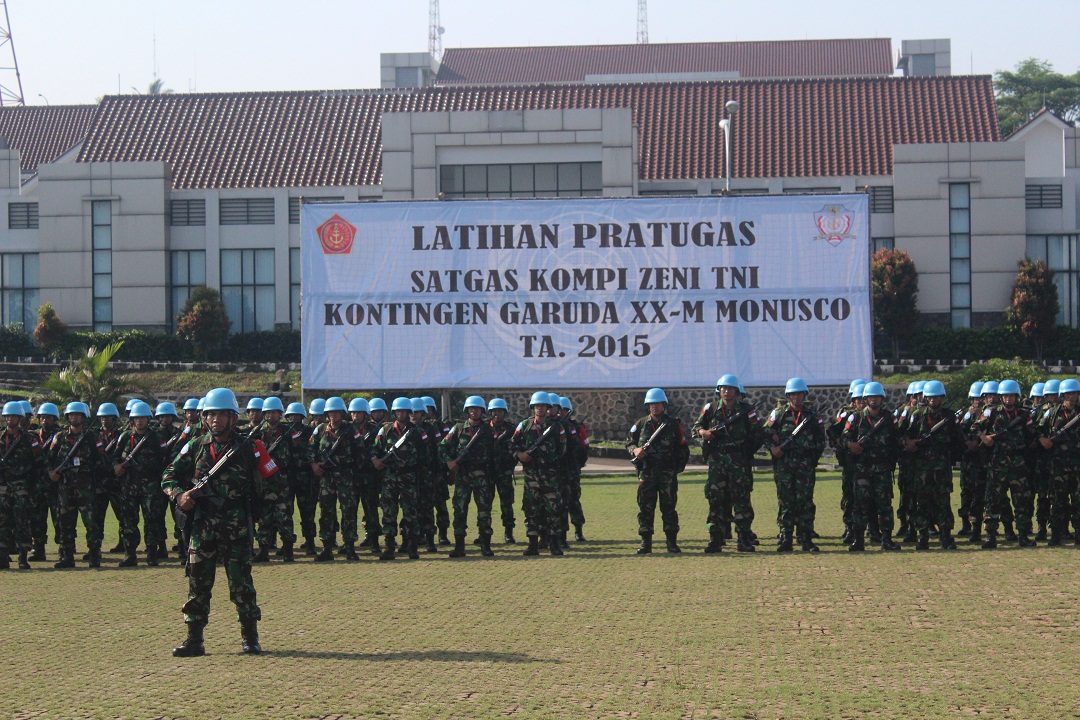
column 294, row 205
column 247, row 289
column 101, row 231
column 24, row 216
column 884, row 243
column 1060, row 254
column 524, row 180
column 960, row 254
column 1042, row 197
column 881, row 199
column 294, row 287
column 811, row 190
column 187, row 271
column 19, row 281
column 187, row 212
column 246, row 211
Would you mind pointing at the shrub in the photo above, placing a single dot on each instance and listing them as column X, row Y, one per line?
column 14, row 342
column 203, row 321
column 1034, row 306
column 50, row 330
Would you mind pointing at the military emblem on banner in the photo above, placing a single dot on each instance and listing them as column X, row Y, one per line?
column 336, row 236
column 834, row 224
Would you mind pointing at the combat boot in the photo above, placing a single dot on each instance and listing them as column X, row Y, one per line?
column 411, row 548
column 350, row 552
column 579, row 536
column 24, row 562
column 924, row 540
column 534, row 546
column 390, row 550
column 508, row 538
column 911, row 535
column 946, row 540
column 784, row 543
column 555, row 546
column 151, row 557
column 130, row 559
column 846, row 537
column 858, row 540
column 902, row 531
column 459, row 546
column 976, row 533
column 965, row 526
column 39, row 552
column 562, row 541
column 485, row 546
column 327, row 554
column 672, row 545
column 118, row 548
column 5, row 561
column 162, row 552
column 374, row 544
column 443, row 539
column 887, row 543
column 744, row 543
column 249, row 637
column 1040, row 536
column 1009, row 533
column 807, row 543
column 716, row 544
column 991, row 539
column 727, row 531
column 1024, row 541
column 476, row 541
column 94, row 560
column 366, row 542
column 431, row 547
column 193, row 645
column 287, row 552
column 309, row 546
column 646, row 545
column 67, row 559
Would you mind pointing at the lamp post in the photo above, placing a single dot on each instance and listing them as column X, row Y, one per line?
column 730, row 107
column 44, row 98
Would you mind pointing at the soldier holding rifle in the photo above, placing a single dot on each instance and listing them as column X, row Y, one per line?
column 658, row 448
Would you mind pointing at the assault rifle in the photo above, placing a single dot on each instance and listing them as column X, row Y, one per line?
column 112, row 443
column 1020, row 417
column 794, row 434
column 933, row 430
column 71, row 454
column 643, row 462
column 1063, row 431
column 201, row 488
column 328, row 462
column 709, row 446
column 468, row 446
column 130, row 459
column 872, row 431
column 284, row 434
column 540, row 440
column 392, row 455
column 4, row 459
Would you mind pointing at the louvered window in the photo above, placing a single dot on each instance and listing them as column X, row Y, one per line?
column 294, row 205
column 23, row 216
column 246, row 211
column 881, row 199
column 1042, row 197
column 187, row 213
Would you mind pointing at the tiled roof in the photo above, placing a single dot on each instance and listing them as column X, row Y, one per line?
column 43, row 134
column 570, row 64
column 792, row 128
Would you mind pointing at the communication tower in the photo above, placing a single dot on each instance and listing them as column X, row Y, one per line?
column 642, row 23
column 11, row 92
column 435, row 31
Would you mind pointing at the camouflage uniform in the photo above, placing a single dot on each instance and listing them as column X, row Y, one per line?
column 794, row 470
column 1007, row 467
column 833, row 432
column 502, row 475
column 541, row 502
column 277, row 517
column 76, row 488
column 107, row 491
column 972, row 472
column 432, row 490
column 873, row 470
column 140, row 488
column 368, row 480
column 43, row 499
column 20, row 468
column 577, row 454
column 337, row 484
column 471, row 479
column 304, row 487
column 400, row 484
column 658, row 476
column 220, row 525
column 906, row 478
column 932, row 463
column 1064, row 467
column 730, row 455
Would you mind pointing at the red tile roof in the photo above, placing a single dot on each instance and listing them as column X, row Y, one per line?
column 571, row 64
column 791, row 128
column 42, row 134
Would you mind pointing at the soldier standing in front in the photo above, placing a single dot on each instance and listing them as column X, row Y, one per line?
column 658, row 447
column 539, row 443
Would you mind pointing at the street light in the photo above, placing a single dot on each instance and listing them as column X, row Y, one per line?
column 730, row 107
column 44, row 98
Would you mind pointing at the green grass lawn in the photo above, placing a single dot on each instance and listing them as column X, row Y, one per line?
column 599, row 633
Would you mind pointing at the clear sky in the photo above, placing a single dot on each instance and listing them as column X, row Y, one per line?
column 74, row 51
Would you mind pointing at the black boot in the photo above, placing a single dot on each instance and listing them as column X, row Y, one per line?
column 965, row 526
column 991, row 539
column 431, row 546
column 808, row 543
column 39, row 552
column 1040, row 536
column 784, row 542
column 162, row 552
column 485, row 546
column 94, row 560
column 1010, row 534
column 672, row 545
column 130, row 559
column 745, row 543
column 390, row 549
column 555, row 544
column 249, row 637
column 716, row 544
column 459, row 547
column 366, row 542
column 24, row 561
column 924, row 540
column 976, row 533
column 508, row 537
column 309, row 546
column 411, row 549
column 327, row 554
column 858, row 539
column 193, row 645
column 350, row 552
column 887, row 543
column 5, row 561
column 287, row 552
column 118, row 548
column 534, row 546
column 443, row 539
column 646, row 545
column 562, row 541
column 579, row 535
column 946, row 540
column 1024, row 541
column 911, row 535
column 151, row 557
column 263, row 556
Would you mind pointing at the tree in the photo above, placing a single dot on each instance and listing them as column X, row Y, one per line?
column 90, row 379
column 1034, row 306
column 203, row 321
column 50, row 330
column 895, row 284
column 1035, row 85
column 155, row 88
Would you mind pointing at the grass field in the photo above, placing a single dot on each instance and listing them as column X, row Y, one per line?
column 599, row 633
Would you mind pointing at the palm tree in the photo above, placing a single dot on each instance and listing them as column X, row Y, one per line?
column 90, row 379
column 156, row 88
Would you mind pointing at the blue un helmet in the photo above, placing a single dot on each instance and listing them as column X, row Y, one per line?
column 1009, row 387
column 917, row 387
column 48, row 409
column 77, row 407
column 201, row 404
column 317, row 406
column 272, row 403
column 1068, row 386
column 359, row 405
column 857, row 390
column 401, row 403
column 27, row 408
column 296, row 408
column 417, row 404
column 553, row 400
column 473, row 401
column 1036, row 390
column 429, row 402
column 497, row 404
column 221, row 399
column 191, row 404
column 335, row 403
column 728, row 380
column 13, row 407
column 1051, row 388
column 165, row 408
column 853, row 383
column 254, row 404
column 655, row 395
column 873, row 389
column 934, row 388
column 130, row 403
column 566, row 404
column 975, row 390
column 910, row 388
column 539, row 398
column 377, row 404
column 796, row 384
column 140, row 409
column 990, row 387
column 107, row 409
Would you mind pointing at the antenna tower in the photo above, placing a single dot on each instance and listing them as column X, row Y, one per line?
column 11, row 92
column 642, row 23
column 435, row 31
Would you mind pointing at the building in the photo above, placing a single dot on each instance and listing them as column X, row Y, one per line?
column 116, row 211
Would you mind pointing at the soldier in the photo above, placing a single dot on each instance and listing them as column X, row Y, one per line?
column 1060, row 437
column 538, row 443
column 106, row 490
column 871, row 436
column 658, row 448
column 276, row 517
column 43, row 497
column 905, row 476
column 1051, row 399
column 467, row 452
column 576, row 456
column 367, row 480
column 562, row 473
column 317, row 412
column 798, row 439
column 169, row 434
column 136, row 461
column 19, row 466
column 1039, row 470
column 440, row 478
column 399, row 450
column 932, row 437
column 730, row 432
column 303, row 485
column 254, row 411
column 1008, row 431
column 503, row 463
column 334, row 465
column 220, row 517
column 971, row 461
column 75, row 462
column 833, row 432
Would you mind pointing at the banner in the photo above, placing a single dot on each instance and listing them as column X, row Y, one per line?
column 586, row 293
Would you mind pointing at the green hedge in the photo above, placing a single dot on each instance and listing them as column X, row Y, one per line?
column 280, row 346
column 983, row 343
column 15, row 342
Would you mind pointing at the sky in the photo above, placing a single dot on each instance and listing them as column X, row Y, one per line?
column 75, row 51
